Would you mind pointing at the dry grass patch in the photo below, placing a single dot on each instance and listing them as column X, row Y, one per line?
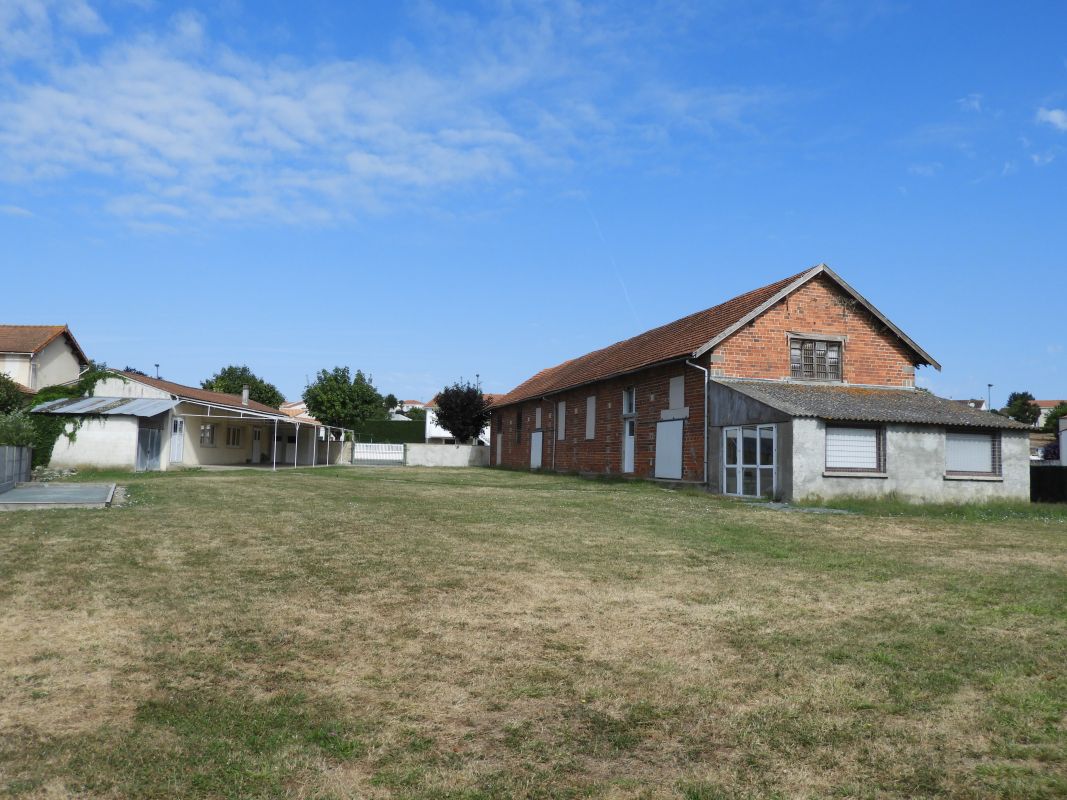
column 475, row 634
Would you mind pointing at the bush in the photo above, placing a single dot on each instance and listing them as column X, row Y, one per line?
column 17, row 429
column 385, row 431
column 12, row 398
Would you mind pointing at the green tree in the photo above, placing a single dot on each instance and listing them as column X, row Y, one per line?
column 1052, row 421
column 461, row 410
column 231, row 379
column 12, row 398
column 390, row 402
column 1022, row 408
column 17, row 429
column 338, row 398
column 415, row 414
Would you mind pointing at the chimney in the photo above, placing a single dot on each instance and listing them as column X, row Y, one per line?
column 244, row 395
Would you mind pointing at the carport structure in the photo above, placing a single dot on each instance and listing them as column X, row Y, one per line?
column 145, row 423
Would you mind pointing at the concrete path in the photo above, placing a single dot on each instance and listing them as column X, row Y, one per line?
column 27, row 496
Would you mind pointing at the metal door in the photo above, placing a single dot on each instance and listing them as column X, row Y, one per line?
column 177, row 440
column 257, row 444
column 669, row 449
column 148, row 445
column 535, row 449
column 629, row 427
column 499, row 447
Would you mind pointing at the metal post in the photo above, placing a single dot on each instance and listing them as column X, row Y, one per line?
column 296, row 447
column 274, row 449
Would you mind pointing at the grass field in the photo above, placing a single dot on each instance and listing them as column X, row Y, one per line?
column 479, row 634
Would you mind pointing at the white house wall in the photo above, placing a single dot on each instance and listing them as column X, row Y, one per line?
column 116, row 387
column 16, row 367
column 56, row 364
column 101, row 442
column 915, row 466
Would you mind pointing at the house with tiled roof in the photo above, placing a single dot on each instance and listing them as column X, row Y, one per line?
column 1046, row 407
column 35, row 356
column 134, row 421
column 801, row 388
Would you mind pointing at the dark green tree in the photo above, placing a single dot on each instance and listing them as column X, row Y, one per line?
column 231, row 379
column 12, row 398
column 390, row 402
column 1052, row 421
column 338, row 398
column 415, row 414
column 461, row 410
column 1022, row 408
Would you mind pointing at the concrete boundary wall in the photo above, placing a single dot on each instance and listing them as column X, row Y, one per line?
column 446, row 455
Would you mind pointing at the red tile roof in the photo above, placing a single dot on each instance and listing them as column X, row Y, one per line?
column 192, row 393
column 1048, row 403
column 34, row 338
column 669, row 342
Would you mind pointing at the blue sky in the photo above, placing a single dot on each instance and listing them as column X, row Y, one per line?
column 435, row 191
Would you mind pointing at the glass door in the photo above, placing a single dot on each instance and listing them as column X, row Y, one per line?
column 749, row 459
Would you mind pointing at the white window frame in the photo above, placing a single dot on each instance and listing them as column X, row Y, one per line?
column 996, row 458
column 537, row 418
column 740, row 467
column 629, row 401
column 207, row 434
column 590, row 417
column 233, row 436
column 879, row 466
column 561, row 420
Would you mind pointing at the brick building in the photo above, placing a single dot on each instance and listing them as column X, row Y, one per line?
column 798, row 388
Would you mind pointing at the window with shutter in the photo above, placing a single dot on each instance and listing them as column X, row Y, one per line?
column 968, row 453
column 855, row 449
column 814, row 360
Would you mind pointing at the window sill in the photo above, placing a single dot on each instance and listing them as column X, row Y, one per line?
column 987, row 478
column 834, row 474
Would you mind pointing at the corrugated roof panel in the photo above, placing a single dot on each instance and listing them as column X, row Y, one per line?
column 125, row 406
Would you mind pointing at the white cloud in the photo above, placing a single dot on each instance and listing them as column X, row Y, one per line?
column 29, row 29
column 15, row 211
column 1009, row 168
column 1056, row 117
column 972, row 102
column 175, row 126
column 1042, row 159
column 925, row 170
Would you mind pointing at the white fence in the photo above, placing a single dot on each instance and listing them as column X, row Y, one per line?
column 14, row 466
column 368, row 453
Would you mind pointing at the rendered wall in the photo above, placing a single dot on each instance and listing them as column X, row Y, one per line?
column 102, row 442
column 445, row 455
column 116, row 387
column 56, row 364
column 915, row 467
column 16, row 367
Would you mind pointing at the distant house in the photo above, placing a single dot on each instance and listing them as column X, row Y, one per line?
column 407, row 405
column 35, row 356
column 978, row 404
column 798, row 389
column 133, row 421
column 1046, row 407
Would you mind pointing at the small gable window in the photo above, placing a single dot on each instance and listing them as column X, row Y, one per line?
column 814, row 360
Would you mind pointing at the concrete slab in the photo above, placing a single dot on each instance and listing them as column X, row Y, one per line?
column 27, row 496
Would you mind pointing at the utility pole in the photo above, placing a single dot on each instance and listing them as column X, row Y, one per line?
column 989, row 397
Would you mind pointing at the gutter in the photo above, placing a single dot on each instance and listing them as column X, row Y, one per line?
column 707, row 378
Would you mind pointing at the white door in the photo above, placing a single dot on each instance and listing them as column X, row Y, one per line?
column 669, row 449
column 535, row 449
column 177, row 440
column 750, row 460
column 257, row 444
column 499, row 447
column 629, row 428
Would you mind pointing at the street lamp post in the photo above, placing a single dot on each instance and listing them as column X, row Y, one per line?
column 989, row 397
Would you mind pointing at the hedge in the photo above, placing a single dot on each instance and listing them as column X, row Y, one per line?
column 388, row 432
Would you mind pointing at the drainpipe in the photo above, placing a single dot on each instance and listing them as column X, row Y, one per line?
column 707, row 376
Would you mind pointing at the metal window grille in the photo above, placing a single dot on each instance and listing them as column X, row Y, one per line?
column 970, row 453
column 855, row 449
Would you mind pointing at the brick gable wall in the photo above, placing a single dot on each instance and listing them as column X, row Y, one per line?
column 872, row 353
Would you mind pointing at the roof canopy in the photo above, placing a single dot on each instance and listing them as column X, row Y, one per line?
column 861, row 404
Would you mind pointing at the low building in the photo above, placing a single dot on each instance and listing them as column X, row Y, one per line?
column 35, row 356
column 133, row 421
column 798, row 389
column 1046, row 407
